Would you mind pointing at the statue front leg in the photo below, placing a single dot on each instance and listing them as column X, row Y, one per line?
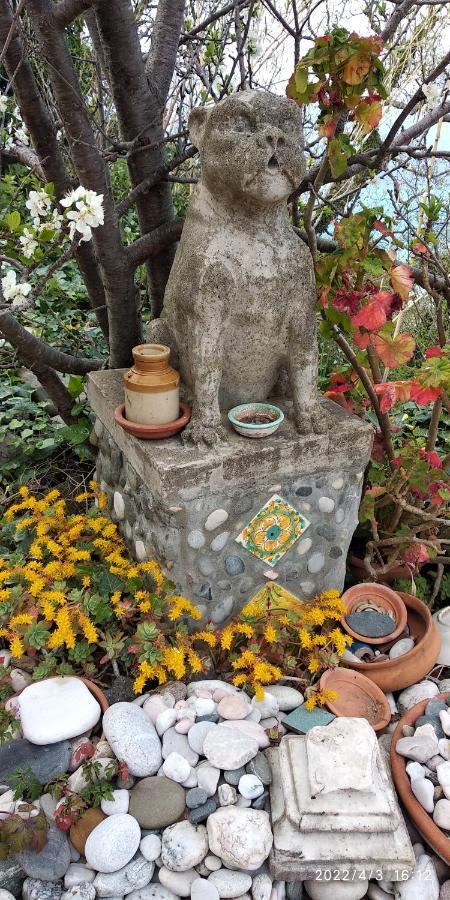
column 205, row 365
column 309, row 414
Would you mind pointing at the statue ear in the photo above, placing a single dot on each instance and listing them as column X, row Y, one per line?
column 197, row 123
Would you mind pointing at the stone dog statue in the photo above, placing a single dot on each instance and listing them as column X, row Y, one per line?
column 240, row 300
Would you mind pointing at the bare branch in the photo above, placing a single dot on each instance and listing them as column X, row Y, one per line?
column 32, row 348
column 190, row 35
column 68, row 10
column 25, row 156
column 153, row 243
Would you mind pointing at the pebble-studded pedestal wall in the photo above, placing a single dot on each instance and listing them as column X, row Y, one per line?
column 186, row 507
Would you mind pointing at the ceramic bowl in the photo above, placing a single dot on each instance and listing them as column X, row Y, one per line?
column 255, row 420
column 356, row 696
column 384, row 598
column 153, row 432
column 397, row 674
column 434, row 836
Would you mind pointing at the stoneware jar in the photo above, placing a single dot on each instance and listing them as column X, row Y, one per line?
column 152, row 388
column 442, row 619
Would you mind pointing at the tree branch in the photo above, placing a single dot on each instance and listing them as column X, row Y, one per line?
column 25, row 156
column 190, row 35
column 153, row 243
column 68, row 10
column 34, row 350
column 162, row 57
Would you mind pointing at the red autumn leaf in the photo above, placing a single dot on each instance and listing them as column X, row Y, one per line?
column 387, row 395
column 433, row 459
column 379, row 226
column 372, row 316
column 357, row 67
column 416, row 554
column 403, row 390
column 394, row 350
column 420, row 249
column 402, row 280
column 362, row 339
column 424, row 395
column 368, row 114
column 433, row 351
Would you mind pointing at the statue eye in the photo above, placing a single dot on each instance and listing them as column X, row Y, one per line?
column 241, row 124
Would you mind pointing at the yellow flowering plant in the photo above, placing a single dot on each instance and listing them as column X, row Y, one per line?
column 73, row 600
column 269, row 641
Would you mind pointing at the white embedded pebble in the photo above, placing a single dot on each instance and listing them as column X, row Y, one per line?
column 337, row 484
column 262, row 886
column 228, row 747
column 268, row 706
column 119, row 505
column 150, row 847
column 304, row 545
column 76, row 874
column 204, row 707
column 250, row 786
column 191, row 780
column 408, row 698
column 112, row 843
column 316, row 563
column 183, row 846
column 220, row 541
column 216, row 518
column 415, row 770
column 196, row 539
column 208, row 778
column 176, row 767
column 288, row 698
column 326, row 504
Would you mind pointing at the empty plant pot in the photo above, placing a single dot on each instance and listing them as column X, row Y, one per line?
column 356, row 696
column 365, row 597
column 399, row 673
column 434, row 836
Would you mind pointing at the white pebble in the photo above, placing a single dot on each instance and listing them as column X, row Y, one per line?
column 165, row 719
column 326, row 504
column 227, row 794
column 415, row 770
column 204, row 707
column 150, row 847
column 213, row 863
column 201, row 889
column 176, row 767
column 250, row 786
column 423, row 791
column 119, row 803
column 444, row 716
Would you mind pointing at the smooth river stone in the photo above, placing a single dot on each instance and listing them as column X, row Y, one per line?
column 226, row 747
column 183, row 846
column 56, row 709
column 137, row 874
column 133, row 738
column 46, row 762
column 234, row 706
column 371, row 623
column 52, row 862
column 288, row 698
column 157, row 802
column 113, row 843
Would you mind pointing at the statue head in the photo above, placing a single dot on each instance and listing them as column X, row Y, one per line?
column 251, row 147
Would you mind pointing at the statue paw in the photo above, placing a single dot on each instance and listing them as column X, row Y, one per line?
column 311, row 421
column 203, row 433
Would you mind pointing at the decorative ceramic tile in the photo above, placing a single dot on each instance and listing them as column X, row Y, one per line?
column 277, row 596
column 302, row 720
column 273, row 531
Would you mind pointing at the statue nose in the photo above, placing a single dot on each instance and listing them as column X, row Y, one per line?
column 271, row 137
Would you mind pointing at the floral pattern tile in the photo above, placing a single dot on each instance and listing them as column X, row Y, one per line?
column 273, row 530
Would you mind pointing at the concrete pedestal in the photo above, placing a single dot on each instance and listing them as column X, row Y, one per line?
column 185, row 507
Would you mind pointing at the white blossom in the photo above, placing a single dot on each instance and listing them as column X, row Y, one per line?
column 39, row 204
column 3, row 103
column 29, row 244
column 13, row 289
column 432, row 93
column 88, row 212
column 21, row 135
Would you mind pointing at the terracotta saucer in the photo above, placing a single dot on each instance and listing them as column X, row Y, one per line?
column 384, row 598
column 153, row 432
column 357, row 696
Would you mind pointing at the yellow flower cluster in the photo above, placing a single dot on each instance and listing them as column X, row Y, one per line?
column 320, row 698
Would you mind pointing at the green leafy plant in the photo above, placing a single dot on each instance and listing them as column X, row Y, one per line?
column 9, row 725
column 25, row 785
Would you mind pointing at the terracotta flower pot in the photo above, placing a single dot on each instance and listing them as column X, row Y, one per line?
column 421, row 819
column 396, row 674
column 383, row 597
column 357, row 696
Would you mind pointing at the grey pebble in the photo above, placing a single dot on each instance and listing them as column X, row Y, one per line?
column 201, row 813
column 196, row 797
column 232, row 776
column 260, row 767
